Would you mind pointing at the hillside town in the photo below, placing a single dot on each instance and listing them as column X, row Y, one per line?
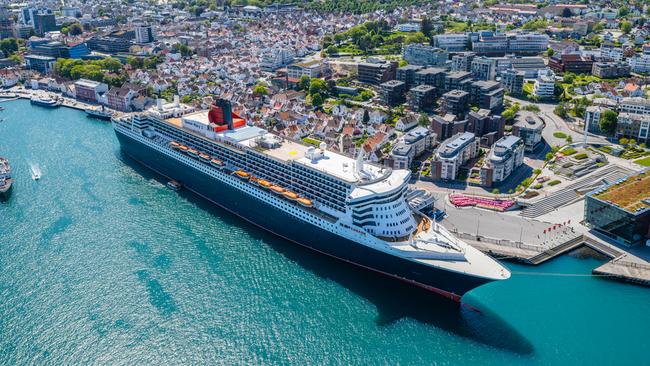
column 463, row 98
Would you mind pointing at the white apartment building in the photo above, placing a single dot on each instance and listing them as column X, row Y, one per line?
column 506, row 155
column 454, row 152
column 312, row 69
column 545, row 84
column 275, row 58
column 636, row 105
column 640, row 63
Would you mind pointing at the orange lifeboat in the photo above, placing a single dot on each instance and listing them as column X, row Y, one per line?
column 290, row 195
column 277, row 189
column 205, row 157
column 216, row 163
column 305, row 202
column 263, row 183
column 242, row 174
column 174, row 145
column 193, row 153
column 183, row 148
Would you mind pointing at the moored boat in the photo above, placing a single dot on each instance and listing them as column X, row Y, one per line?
column 102, row 113
column 174, row 185
column 44, row 102
column 6, row 181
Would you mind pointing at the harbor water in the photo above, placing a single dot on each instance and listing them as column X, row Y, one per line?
column 102, row 264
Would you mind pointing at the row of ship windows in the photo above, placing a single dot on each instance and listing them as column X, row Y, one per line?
column 297, row 212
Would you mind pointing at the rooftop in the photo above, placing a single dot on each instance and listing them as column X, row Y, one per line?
column 631, row 194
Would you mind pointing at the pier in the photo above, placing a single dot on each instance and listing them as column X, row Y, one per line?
column 621, row 266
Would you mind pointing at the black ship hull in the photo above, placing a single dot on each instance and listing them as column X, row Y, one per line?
column 447, row 283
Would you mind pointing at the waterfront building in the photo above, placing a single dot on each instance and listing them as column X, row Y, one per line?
column 89, row 90
column 452, row 154
column 621, row 210
column 425, row 55
column 411, row 145
column 505, row 156
column 528, row 127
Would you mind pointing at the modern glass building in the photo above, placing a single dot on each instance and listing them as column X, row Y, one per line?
column 621, row 210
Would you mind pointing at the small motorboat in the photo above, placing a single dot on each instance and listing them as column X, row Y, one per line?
column 35, row 171
column 174, row 185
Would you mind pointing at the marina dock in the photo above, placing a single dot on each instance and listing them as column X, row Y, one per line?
column 621, row 266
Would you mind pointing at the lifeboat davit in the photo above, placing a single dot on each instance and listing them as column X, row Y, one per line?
column 174, row 145
column 204, row 157
column 290, row 195
column 277, row 189
column 183, row 148
column 263, row 183
column 216, row 162
column 193, row 153
column 305, row 202
column 242, row 174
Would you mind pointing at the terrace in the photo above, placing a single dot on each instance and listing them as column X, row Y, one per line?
column 632, row 194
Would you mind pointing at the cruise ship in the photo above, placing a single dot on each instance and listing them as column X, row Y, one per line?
column 339, row 206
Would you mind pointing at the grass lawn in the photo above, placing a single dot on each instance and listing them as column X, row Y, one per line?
column 560, row 135
column 644, row 161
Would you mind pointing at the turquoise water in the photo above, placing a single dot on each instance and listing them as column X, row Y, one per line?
column 101, row 264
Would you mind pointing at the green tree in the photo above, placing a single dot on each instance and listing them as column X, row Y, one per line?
column 260, row 89
column 626, row 27
column 317, row 86
column 608, row 122
column 424, row 120
column 75, row 29
column 549, row 52
column 317, row 100
column 304, row 82
column 549, row 156
column 9, row 46
column 560, row 110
